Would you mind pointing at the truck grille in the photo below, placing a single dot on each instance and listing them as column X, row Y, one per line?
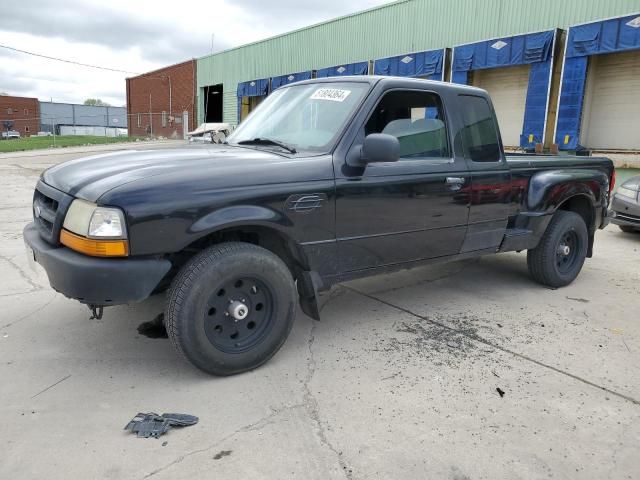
column 49, row 208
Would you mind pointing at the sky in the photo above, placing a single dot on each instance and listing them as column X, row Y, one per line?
column 135, row 36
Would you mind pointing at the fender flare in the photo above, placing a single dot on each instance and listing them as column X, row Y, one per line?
column 550, row 189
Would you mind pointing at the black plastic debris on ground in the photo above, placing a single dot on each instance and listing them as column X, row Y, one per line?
column 222, row 453
column 146, row 425
column 500, row 392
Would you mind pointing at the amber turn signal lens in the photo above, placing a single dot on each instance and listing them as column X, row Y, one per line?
column 92, row 247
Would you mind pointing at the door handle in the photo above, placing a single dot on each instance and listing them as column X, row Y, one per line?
column 454, row 180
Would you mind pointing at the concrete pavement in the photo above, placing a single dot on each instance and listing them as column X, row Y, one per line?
column 398, row 380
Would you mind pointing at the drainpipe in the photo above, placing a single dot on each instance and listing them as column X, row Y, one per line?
column 169, row 78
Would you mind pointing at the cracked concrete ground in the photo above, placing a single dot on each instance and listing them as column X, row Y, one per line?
column 397, row 381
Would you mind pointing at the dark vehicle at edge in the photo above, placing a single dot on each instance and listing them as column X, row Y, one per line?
column 328, row 180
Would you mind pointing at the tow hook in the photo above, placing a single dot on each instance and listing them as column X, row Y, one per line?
column 96, row 312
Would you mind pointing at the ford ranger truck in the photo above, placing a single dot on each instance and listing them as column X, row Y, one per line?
column 327, row 180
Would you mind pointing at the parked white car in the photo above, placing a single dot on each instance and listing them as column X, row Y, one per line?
column 11, row 134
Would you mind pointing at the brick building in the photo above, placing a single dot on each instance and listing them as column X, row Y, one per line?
column 23, row 112
column 156, row 101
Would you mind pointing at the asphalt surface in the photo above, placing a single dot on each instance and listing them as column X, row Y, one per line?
column 399, row 380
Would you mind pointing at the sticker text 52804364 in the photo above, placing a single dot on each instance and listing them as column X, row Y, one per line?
column 333, row 94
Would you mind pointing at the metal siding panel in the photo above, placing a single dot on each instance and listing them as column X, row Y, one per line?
column 394, row 29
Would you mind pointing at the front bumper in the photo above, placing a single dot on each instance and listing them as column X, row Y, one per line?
column 96, row 281
column 625, row 211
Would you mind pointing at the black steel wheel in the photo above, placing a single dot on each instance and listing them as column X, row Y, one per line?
column 239, row 314
column 558, row 258
column 567, row 253
column 230, row 308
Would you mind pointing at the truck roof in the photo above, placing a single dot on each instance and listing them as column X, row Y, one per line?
column 401, row 82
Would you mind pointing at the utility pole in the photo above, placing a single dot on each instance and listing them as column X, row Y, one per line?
column 150, row 117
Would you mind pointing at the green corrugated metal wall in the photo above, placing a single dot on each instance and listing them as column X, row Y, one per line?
column 397, row 28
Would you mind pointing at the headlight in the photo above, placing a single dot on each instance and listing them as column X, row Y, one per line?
column 106, row 222
column 89, row 220
column 95, row 231
column 627, row 192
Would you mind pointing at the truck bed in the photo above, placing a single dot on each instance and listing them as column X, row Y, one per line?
column 524, row 161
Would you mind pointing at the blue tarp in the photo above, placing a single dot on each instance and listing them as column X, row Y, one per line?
column 571, row 96
column 277, row 82
column 253, row 88
column 460, row 77
column 360, row 68
column 607, row 36
column 613, row 35
column 535, row 110
column 503, row 52
column 534, row 49
column 421, row 64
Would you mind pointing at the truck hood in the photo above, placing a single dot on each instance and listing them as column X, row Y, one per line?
column 91, row 177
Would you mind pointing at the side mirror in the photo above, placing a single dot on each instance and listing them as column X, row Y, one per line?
column 380, row 147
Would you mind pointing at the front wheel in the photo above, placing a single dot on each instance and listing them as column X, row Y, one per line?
column 558, row 258
column 230, row 308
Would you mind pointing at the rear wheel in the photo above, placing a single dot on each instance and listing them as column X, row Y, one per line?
column 558, row 258
column 230, row 308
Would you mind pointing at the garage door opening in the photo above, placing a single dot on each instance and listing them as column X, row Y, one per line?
column 249, row 104
column 213, row 103
column 611, row 113
column 508, row 89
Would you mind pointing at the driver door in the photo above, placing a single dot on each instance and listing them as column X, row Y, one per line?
column 415, row 208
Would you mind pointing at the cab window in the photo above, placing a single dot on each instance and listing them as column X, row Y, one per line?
column 416, row 119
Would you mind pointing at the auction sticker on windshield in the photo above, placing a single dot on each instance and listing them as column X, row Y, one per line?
column 333, row 94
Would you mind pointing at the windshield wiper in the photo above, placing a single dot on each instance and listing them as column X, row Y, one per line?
column 268, row 141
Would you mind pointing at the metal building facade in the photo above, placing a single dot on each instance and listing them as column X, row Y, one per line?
column 52, row 115
column 391, row 30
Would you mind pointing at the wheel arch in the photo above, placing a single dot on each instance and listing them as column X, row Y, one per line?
column 585, row 206
column 269, row 236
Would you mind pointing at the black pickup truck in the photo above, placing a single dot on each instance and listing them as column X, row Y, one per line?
column 328, row 180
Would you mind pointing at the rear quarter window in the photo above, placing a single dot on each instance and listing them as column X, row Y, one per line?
column 480, row 135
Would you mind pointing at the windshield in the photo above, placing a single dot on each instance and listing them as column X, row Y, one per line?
column 304, row 117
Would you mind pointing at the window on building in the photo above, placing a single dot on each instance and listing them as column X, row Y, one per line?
column 26, row 129
column 9, row 111
column 26, row 112
column 139, row 121
column 480, row 132
column 164, row 119
column 416, row 119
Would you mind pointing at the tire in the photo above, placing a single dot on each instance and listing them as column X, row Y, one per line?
column 210, row 331
column 628, row 229
column 550, row 263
